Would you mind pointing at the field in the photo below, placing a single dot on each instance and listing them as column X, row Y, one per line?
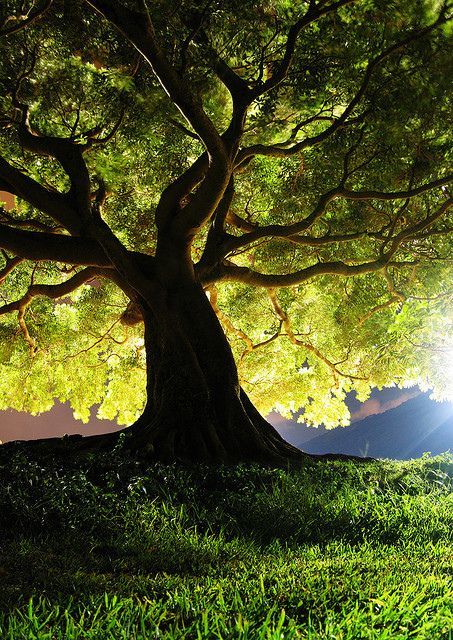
column 109, row 548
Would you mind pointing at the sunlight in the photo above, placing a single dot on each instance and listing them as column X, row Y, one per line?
column 445, row 351
column 449, row 373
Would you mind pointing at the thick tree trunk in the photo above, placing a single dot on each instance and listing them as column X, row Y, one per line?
column 196, row 410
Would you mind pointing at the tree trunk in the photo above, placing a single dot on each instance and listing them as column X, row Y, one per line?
column 196, row 410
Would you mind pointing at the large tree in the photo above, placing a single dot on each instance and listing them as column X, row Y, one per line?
column 217, row 201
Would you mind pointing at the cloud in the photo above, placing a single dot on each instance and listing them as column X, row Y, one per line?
column 373, row 406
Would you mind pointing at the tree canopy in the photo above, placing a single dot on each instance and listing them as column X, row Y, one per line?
column 300, row 148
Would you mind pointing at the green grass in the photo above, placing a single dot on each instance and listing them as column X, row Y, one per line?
column 109, row 548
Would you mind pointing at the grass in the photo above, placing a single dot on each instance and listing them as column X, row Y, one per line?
column 109, row 548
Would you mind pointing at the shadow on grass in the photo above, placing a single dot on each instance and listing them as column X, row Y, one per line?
column 113, row 525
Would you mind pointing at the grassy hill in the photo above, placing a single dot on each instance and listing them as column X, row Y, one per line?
column 111, row 548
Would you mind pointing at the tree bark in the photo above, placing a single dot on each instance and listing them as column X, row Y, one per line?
column 196, row 410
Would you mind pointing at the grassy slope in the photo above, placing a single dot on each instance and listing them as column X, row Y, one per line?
column 111, row 549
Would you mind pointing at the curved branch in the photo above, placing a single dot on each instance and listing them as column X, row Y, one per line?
column 230, row 271
column 409, row 231
column 306, row 345
column 379, row 307
column 250, row 346
column 138, row 28
column 216, row 233
column 55, row 290
column 284, row 231
column 70, row 155
column 350, row 194
column 95, row 230
column 180, row 188
column 309, row 241
column 236, row 273
column 395, row 297
column 10, row 265
column 213, row 299
column 27, row 223
column 313, row 14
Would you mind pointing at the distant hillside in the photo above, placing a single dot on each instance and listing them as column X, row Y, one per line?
column 405, row 432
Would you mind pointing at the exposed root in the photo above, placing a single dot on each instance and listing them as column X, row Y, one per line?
column 242, row 435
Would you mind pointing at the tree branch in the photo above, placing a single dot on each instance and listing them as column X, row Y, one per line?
column 281, row 151
column 50, row 291
column 35, row 13
column 232, row 272
column 306, row 345
column 213, row 299
column 313, row 14
column 70, row 155
column 27, row 223
column 282, row 231
column 170, row 200
column 54, row 204
column 10, row 265
column 138, row 28
column 55, row 290
column 250, row 346
column 216, row 234
column 287, row 231
column 38, row 246
column 409, row 231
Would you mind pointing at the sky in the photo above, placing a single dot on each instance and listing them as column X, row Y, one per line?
column 22, row 426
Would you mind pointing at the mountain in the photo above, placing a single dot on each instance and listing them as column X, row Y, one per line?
column 409, row 430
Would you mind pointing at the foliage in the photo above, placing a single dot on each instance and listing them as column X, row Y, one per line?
column 111, row 548
column 309, row 344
